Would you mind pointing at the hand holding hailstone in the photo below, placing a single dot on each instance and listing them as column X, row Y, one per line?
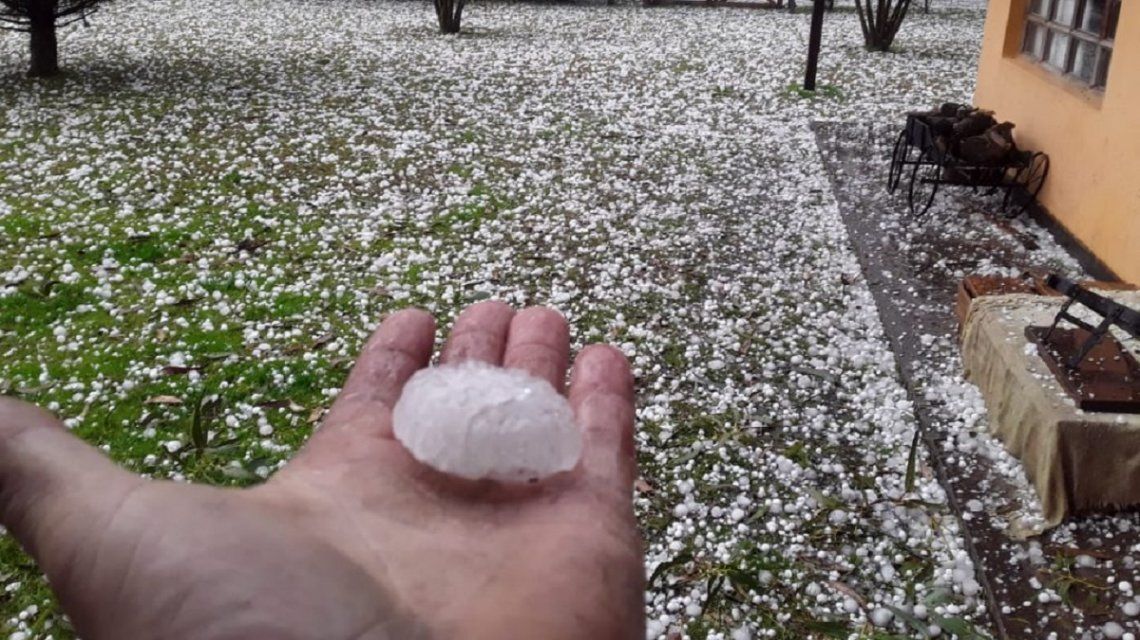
column 519, row 525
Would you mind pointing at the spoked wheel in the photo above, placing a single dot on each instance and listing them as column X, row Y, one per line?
column 924, row 180
column 1026, row 185
column 899, row 157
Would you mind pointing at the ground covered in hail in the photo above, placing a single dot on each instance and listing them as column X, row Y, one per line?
column 202, row 224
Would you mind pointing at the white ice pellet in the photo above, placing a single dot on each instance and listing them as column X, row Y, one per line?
column 475, row 421
column 971, row 588
column 1113, row 630
column 1131, row 609
column 882, row 617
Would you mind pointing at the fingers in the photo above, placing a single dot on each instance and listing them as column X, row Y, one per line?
column 53, row 486
column 401, row 346
column 480, row 333
column 539, row 343
column 601, row 394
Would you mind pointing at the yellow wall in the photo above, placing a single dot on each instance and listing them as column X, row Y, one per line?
column 1092, row 138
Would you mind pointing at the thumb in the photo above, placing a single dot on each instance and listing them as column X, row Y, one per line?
column 54, row 488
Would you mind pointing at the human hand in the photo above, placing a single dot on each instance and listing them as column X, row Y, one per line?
column 353, row 539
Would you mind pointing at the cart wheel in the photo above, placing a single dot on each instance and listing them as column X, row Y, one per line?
column 924, row 181
column 899, row 157
column 1026, row 185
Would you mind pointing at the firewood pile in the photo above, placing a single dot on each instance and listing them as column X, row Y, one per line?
column 971, row 134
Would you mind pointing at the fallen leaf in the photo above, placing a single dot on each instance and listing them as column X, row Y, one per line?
column 323, row 340
column 316, row 414
column 1094, row 553
column 177, row 370
column 45, row 288
column 163, row 400
column 642, row 486
column 237, row 473
column 33, row 390
column 250, row 245
column 846, row 590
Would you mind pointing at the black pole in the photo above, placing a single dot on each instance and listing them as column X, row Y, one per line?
column 817, row 9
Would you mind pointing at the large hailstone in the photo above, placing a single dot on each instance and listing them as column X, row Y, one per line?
column 476, row 421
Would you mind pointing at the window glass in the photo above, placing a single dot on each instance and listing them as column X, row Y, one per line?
column 1102, row 68
column 1058, row 49
column 1084, row 61
column 1092, row 17
column 1034, row 40
column 1065, row 12
column 1072, row 37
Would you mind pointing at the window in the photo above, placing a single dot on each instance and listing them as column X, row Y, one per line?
column 1073, row 37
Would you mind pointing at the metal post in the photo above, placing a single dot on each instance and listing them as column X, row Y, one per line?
column 817, row 9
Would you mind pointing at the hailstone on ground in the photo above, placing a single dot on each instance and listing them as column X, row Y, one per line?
column 477, row 421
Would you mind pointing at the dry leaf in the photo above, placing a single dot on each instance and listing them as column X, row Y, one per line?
column 323, row 340
column 33, row 390
column 163, row 400
column 177, row 370
column 315, row 415
column 642, row 486
column 250, row 245
column 846, row 590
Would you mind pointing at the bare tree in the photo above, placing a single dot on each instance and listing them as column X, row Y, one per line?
column 881, row 20
column 40, row 18
column 449, row 12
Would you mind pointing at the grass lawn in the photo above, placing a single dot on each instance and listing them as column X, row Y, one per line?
column 200, row 224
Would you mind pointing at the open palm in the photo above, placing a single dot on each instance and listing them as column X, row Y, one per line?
column 354, row 538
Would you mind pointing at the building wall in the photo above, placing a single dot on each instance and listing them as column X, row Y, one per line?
column 1092, row 137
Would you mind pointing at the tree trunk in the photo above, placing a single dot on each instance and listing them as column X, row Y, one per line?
column 44, row 47
column 450, row 14
column 814, row 38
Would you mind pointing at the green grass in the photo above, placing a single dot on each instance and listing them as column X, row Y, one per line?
column 822, row 92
